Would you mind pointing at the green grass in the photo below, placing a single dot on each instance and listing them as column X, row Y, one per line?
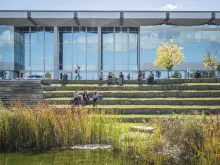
column 166, row 98
column 143, row 106
column 135, row 85
column 135, row 91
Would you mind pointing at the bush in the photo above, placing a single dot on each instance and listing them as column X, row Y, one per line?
column 176, row 74
column 48, row 75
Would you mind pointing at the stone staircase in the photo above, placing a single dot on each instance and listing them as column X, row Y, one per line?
column 28, row 92
column 191, row 96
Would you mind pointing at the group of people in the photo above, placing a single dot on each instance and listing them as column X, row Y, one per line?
column 111, row 77
column 85, row 99
column 120, row 79
column 141, row 77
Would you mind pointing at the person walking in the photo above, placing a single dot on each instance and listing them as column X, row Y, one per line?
column 77, row 72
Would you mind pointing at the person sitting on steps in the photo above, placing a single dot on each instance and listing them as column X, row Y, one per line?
column 86, row 98
column 150, row 78
column 95, row 98
column 76, row 97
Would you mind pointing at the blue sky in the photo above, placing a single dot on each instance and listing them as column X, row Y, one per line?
column 184, row 5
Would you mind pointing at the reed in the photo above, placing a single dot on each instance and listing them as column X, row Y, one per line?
column 45, row 127
column 194, row 139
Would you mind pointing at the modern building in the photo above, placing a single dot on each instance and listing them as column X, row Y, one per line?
column 36, row 42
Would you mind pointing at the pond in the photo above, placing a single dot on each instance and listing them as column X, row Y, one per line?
column 67, row 157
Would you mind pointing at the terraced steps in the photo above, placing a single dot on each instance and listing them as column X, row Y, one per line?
column 156, row 81
column 191, row 96
column 152, row 109
column 134, row 87
column 146, row 101
column 141, row 94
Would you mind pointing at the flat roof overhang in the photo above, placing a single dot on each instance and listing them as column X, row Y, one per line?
column 108, row 18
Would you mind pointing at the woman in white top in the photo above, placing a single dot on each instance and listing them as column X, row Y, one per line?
column 76, row 96
column 95, row 98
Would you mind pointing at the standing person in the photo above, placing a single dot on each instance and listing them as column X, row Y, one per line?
column 110, row 77
column 77, row 72
column 101, row 77
column 143, row 73
column 140, row 77
column 150, row 77
column 95, row 98
column 121, row 79
column 65, row 78
column 129, row 76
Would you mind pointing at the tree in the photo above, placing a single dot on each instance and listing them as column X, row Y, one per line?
column 210, row 59
column 169, row 55
column 48, row 75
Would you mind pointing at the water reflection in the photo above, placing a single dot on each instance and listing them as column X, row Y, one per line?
column 79, row 157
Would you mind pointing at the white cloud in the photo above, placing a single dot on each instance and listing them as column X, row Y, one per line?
column 171, row 7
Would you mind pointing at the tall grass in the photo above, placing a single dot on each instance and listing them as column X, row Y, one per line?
column 194, row 140
column 44, row 127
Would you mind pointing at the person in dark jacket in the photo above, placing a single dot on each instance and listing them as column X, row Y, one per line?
column 150, row 77
column 121, row 79
column 140, row 77
column 110, row 78
column 65, row 78
column 86, row 98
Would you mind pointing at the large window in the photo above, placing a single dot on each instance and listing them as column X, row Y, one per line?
column 79, row 47
column 6, row 44
column 119, row 49
column 193, row 40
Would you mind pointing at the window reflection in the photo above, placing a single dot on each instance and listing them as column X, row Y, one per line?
column 117, row 52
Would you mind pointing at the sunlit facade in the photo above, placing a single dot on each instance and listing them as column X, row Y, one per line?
column 34, row 43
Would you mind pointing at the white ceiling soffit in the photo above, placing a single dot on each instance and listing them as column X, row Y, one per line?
column 103, row 19
column 53, row 18
column 189, row 18
column 14, row 18
column 143, row 18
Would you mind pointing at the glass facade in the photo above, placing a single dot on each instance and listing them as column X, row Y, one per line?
column 6, row 44
column 38, row 49
column 32, row 50
column 79, row 47
column 119, row 49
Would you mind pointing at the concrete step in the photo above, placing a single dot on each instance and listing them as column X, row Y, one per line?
column 151, row 109
column 146, row 101
column 156, row 81
column 140, row 94
column 214, row 86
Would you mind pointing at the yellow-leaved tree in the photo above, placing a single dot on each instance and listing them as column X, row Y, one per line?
column 169, row 54
column 210, row 59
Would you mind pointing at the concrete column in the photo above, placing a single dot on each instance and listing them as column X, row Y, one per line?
column 99, row 50
column 138, row 51
column 56, row 53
